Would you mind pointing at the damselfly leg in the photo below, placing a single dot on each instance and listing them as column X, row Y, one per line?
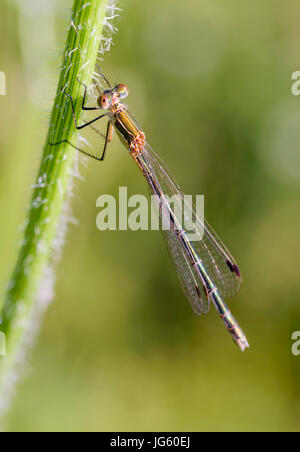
column 86, row 108
column 83, row 106
column 109, row 131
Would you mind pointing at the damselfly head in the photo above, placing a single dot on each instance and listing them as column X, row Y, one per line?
column 105, row 100
column 122, row 90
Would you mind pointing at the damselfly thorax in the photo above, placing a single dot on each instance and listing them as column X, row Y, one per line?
column 129, row 133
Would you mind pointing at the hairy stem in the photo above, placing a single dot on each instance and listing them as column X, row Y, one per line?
column 25, row 294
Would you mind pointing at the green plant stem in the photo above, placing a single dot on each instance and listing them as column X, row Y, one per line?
column 52, row 185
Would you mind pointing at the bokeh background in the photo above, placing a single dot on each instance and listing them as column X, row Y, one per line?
column 120, row 348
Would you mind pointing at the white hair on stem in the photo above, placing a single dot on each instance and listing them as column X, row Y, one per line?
column 45, row 292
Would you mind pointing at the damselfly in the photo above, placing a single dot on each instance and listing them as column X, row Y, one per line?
column 206, row 270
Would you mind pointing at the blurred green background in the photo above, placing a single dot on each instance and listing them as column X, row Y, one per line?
column 120, row 348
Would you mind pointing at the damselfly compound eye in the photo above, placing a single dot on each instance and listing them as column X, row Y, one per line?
column 122, row 90
column 104, row 101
